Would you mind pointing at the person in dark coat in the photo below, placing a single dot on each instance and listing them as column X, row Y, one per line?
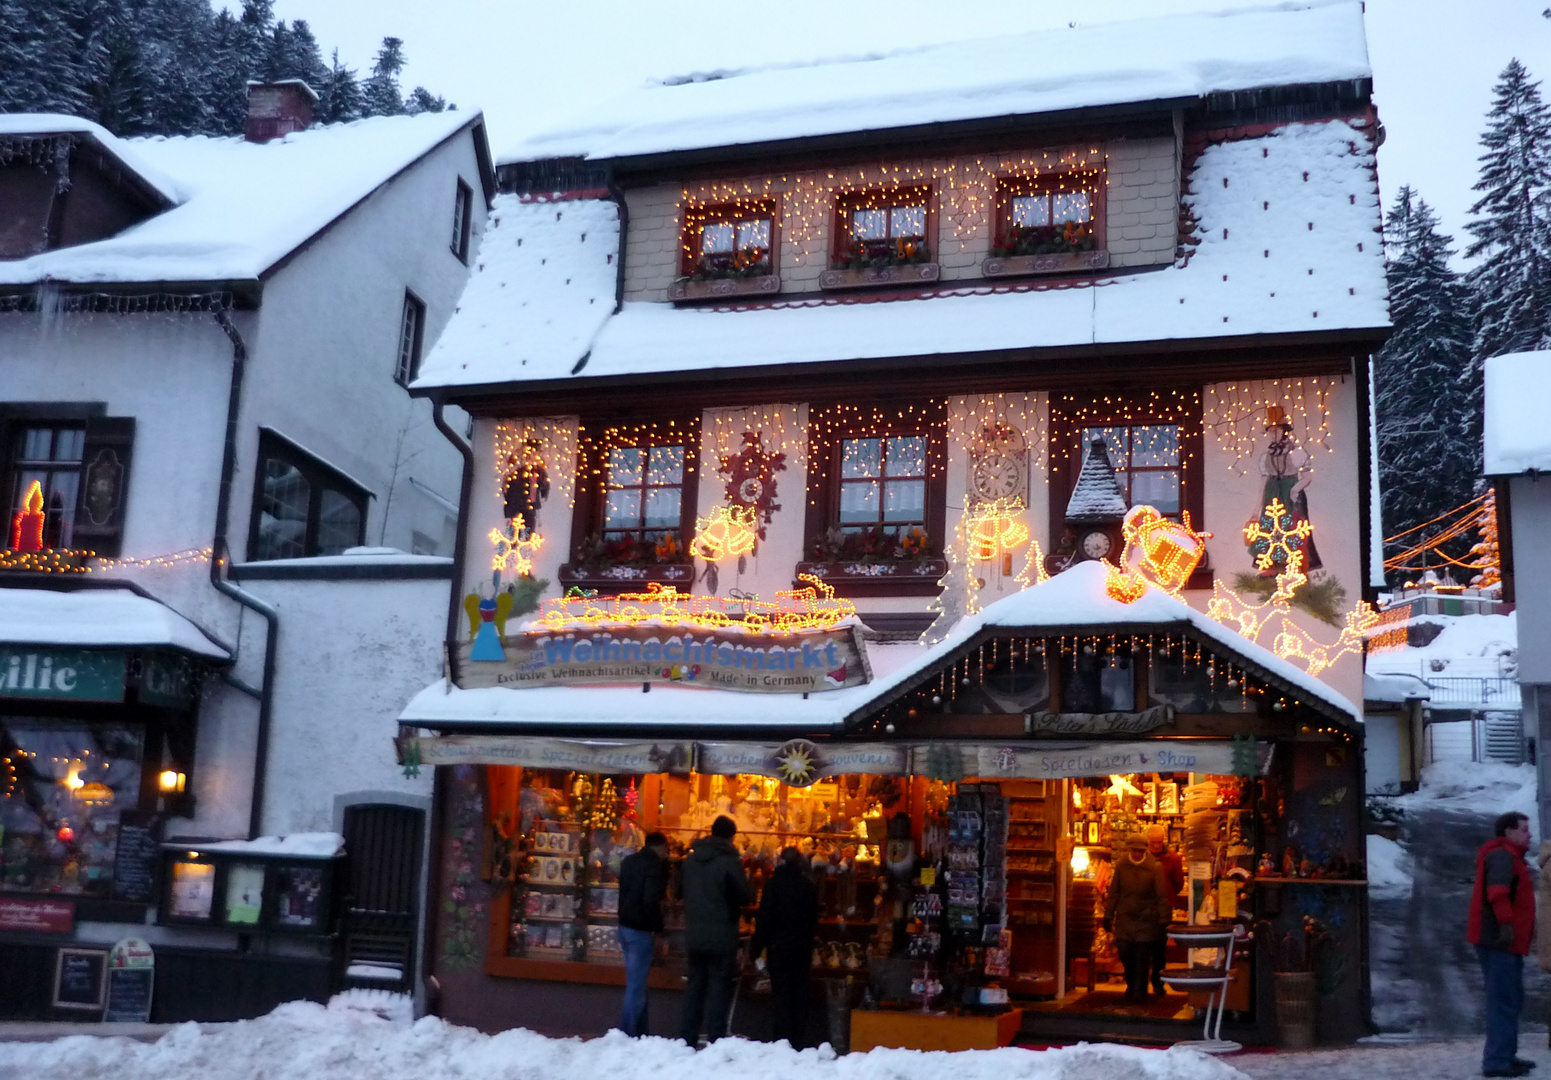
column 1174, row 875
column 784, row 930
column 1501, row 924
column 1136, row 911
column 715, row 890
column 643, row 882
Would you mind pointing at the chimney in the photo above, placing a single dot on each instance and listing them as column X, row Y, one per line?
column 278, row 108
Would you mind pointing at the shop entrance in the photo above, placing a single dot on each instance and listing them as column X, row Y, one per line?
column 382, row 881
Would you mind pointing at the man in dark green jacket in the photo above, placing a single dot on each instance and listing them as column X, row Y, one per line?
column 715, row 890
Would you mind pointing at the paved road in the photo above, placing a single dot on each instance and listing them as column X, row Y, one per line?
column 1425, row 975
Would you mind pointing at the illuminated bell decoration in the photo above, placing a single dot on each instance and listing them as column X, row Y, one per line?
column 27, row 525
column 994, row 529
column 1167, row 551
column 726, row 533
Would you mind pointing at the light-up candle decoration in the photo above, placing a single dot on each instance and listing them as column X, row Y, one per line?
column 27, row 525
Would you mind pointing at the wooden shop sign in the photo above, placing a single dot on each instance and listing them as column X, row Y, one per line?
column 1110, row 723
column 571, row 755
column 802, row 663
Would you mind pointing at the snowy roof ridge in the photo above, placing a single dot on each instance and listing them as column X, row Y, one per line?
column 41, row 124
column 1249, row 274
column 242, row 207
column 1515, row 402
column 1161, row 58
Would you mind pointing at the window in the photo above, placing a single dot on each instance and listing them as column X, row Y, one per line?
column 45, row 487
column 644, row 488
column 302, row 507
column 1054, row 214
column 732, row 240
column 883, row 483
column 64, row 474
column 411, row 334
column 462, row 207
column 1146, row 458
column 883, row 228
column 635, row 504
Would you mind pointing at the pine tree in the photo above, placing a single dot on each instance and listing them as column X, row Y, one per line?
column 421, row 100
column 1426, row 381
column 1486, row 556
column 339, row 94
column 383, row 97
column 1513, row 280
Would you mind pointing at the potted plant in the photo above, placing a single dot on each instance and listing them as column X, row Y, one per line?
column 880, row 262
column 728, row 273
column 1306, row 966
column 629, row 561
column 875, row 561
column 1044, row 249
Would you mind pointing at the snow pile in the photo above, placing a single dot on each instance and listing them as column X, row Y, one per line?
column 243, row 206
column 304, row 1039
column 1389, row 869
column 323, row 845
column 383, row 1004
column 1517, row 397
column 1474, row 646
column 98, row 618
column 1260, row 268
column 1487, row 788
column 1156, row 59
column 543, row 284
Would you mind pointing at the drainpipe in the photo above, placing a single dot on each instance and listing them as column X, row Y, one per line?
column 617, row 196
column 460, row 541
column 220, row 556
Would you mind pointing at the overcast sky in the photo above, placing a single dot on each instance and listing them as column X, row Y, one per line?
column 529, row 63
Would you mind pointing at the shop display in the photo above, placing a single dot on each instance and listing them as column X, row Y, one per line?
column 192, row 893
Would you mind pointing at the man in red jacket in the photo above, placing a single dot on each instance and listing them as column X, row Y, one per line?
column 1500, row 926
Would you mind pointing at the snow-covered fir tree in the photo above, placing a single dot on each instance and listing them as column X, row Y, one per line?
column 1427, row 384
column 1512, row 282
column 339, row 94
column 383, row 97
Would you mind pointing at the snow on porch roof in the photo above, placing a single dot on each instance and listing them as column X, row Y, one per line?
column 98, row 618
column 1516, row 438
column 1073, row 600
column 1146, row 60
column 1290, row 246
column 240, row 207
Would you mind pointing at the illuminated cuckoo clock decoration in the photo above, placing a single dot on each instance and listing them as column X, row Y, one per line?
column 998, row 465
column 1097, row 507
column 751, row 481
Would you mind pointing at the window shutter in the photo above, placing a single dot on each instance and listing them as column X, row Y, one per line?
column 99, row 514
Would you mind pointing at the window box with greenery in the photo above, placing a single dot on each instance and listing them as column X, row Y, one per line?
column 728, row 250
column 634, row 507
column 882, row 238
column 1048, row 225
column 878, row 501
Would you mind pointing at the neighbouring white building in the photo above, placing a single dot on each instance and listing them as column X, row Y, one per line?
column 228, row 531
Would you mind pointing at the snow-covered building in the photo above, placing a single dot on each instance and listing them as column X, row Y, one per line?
column 228, row 530
column 1516, row 453
column 912, row 333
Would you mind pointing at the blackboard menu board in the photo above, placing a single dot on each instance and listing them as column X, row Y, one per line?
column 134, row 862
column 78, row 978
column 129, row 994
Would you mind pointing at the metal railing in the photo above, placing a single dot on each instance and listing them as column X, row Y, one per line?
column 1460, row 692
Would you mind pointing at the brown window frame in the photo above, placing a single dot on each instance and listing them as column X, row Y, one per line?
column 1071, row 413
column 599, row 437
column 846, row 202
column 831, row 425
column 1051, row 183
column 696, row 218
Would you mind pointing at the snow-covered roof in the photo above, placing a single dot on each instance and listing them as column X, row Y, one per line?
column 324, row 845
column 1259, row 268
column 241, row 207
column 1517, row 400
column 43, row 124
column 542, row 286
column 1146, row 60
column 98, row 618
column 1394, row 689
column 1072, row 599
column 1096, row 495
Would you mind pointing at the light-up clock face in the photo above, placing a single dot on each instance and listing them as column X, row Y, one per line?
column 997, row 476
column 998, row 464
column 1096, row 544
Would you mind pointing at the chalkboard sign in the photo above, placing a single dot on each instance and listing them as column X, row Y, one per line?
column 78, row 979
column 134, row 862
column 129, row 995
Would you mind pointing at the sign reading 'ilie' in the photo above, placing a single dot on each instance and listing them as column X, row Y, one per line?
column 801, row 663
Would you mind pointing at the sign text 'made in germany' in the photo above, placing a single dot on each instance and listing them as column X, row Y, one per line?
column 720, row 660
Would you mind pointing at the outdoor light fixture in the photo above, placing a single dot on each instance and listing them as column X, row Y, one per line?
column 171, row 782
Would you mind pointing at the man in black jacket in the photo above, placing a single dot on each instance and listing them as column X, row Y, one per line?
column 784, row 929
column 715, row 891
column 643, row 882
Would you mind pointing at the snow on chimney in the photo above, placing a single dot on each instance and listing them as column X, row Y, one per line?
column 278, row 108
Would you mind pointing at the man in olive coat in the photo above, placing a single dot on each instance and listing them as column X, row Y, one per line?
column 1137, row 910
column 715, row 891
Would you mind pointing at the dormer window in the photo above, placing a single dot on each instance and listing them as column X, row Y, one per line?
column 731, row 241
column 1047, row 223
column 884, row 228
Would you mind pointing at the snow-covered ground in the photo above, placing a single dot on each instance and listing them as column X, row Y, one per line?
column 1487, row 788
column 303, row 1039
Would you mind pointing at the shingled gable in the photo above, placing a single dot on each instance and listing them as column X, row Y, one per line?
column 1096, row 497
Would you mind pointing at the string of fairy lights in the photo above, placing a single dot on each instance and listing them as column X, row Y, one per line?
column 967, row 191
column 1239, row 413
column 70, row 561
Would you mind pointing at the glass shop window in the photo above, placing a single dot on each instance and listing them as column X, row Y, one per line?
column 63, row 787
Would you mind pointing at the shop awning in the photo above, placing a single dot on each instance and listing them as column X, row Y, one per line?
column 99, row 619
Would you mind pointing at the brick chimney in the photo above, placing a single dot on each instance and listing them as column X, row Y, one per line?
column 278, row 108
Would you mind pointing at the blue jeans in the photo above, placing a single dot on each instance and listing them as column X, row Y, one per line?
column 1504, row 975
column 637, row 946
